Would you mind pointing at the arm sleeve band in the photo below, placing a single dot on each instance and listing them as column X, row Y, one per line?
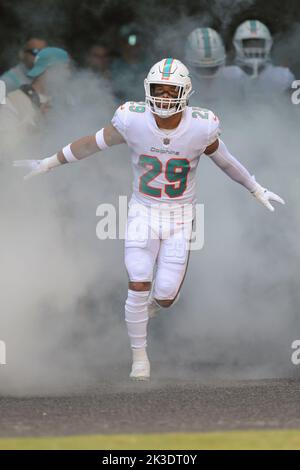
column 100, row 140
column 69, row 155
column 232, row 167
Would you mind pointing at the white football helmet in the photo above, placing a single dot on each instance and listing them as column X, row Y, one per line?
column 168, row 72
column 252, row 42
column 205, row 51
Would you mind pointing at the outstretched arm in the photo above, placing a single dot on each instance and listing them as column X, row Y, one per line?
column 220, row 155
column 81, row 148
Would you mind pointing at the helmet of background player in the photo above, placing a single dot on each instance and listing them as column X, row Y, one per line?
column 205, row 52
column 168, row 72
column 252, row 42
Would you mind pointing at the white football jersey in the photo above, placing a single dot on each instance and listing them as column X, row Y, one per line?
column 226, row 86
column 165, row 163
column 272, row 78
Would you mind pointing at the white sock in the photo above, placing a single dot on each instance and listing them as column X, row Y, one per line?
column 139, row 355
column 136, row 317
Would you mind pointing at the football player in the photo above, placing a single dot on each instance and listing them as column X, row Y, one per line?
column 213, row 81
column 166, row 138
column 253, row 43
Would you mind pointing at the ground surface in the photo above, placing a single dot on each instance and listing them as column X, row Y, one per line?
column 160, row 406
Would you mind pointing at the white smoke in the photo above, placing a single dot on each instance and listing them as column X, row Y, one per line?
column 285, row 47
column 63, row 291
column 225, row 10
column 240, row 309
column 61, row 288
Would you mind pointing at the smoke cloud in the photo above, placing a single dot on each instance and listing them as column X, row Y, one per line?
column 63, row 291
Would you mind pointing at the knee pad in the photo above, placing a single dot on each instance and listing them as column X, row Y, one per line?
column 140, row 250
column 166, row 287
column 138, row 265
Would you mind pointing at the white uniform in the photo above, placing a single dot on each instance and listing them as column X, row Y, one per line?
column 164, row 164
column 164, row 169
column 272, row 78
column 226, row 86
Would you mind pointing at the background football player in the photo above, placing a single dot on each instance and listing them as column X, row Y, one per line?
column 214, row 82
column 166, row 138
column 253, row 43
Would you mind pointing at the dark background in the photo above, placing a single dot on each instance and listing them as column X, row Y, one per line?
column 75, row 24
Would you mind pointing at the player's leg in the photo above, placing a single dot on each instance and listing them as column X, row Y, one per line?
column 171, row 270
column 141, row 250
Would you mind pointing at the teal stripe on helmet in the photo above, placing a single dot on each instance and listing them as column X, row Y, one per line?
column 207, row 44
column 167, row 68
column 253, row 26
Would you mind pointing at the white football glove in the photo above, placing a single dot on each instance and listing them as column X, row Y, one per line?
column 37, row 167
column 263, row 195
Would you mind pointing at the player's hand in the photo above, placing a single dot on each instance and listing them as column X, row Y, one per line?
column 36, row 167
column 264, row 196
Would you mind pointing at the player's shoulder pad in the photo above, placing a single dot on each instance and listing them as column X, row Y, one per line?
column 120, row 119
column 213, row 128
column 209, row 124
column 136, row 108
column 290, row 77
column 130, row 110
column 233, row 72
column 283, row 74
column 133, row 107
column 122, row 110
column 126, row 115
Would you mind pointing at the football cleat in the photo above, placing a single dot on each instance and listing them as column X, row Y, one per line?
column 140, row 370
column 154, row 308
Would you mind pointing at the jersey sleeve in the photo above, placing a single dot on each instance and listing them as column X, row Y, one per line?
column 119, row 120
column 213, row 128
